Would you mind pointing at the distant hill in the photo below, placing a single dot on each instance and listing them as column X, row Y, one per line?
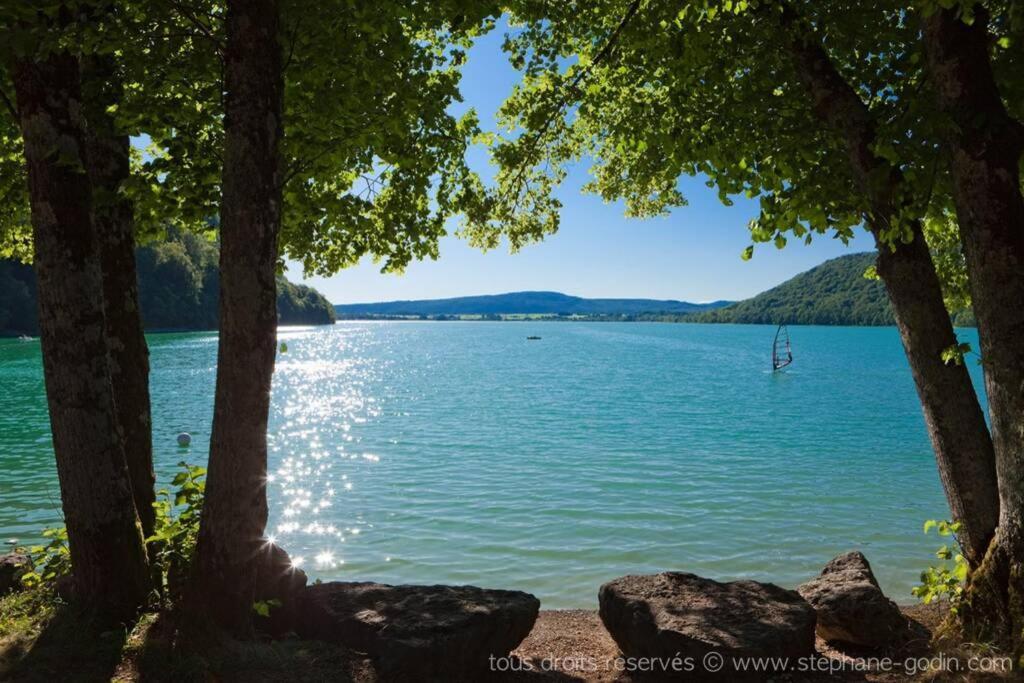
column 834, row 293
column 522, row 303
column 179, row 287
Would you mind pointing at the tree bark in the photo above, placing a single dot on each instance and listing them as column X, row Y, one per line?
column 953, row 415
column 231, row 541
column 109, row 565
column 985, row 146
column 108, row 164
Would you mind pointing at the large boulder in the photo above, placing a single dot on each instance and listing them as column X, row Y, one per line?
column 675, row 615
column 12, row 567
column 851, row 607
column 419, row 632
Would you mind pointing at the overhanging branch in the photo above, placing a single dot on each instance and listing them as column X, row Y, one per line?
column 573, row 87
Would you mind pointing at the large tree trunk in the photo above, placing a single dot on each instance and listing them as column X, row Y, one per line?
column 953, row 415
column 231, row 541
column 109, row 565
column 109, row 168
column 985, row 146
column 954, row 418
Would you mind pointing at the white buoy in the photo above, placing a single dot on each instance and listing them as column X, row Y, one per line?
column 184, row 439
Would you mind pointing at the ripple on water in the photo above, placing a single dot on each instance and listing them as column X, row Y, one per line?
column 433, row 452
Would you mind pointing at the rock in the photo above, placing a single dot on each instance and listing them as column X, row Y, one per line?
column 12, row 567
column 279, row 586
column 422, row 632
column 676, row 615
column 851, row 607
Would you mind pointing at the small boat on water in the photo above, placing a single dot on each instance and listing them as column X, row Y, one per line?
column 532, row 338
column 782, row 351
column 24, row 338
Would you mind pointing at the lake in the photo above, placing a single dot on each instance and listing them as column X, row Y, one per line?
column 463, row 453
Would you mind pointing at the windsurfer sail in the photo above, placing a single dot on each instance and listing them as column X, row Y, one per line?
column 782, row 352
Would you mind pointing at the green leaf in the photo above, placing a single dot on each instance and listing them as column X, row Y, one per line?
column 955, row 354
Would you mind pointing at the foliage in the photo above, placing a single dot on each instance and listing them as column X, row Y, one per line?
column 49, row 561
column 262, row 607
column 174, row 538
column 24, row 611
column 15, row 231
column 302, row 305
column 946, row 580
column 177, row 526
column 955, row 354
column 654, row 91
column 179, row 286
column 375, row 135
column 834, row 293
column 373, row 158
column 943, row 237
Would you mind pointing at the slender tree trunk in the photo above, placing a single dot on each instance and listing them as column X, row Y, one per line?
column 985, row 154
column 109, row 168
column 953, row 415
column 231, row 542
column 110, row 570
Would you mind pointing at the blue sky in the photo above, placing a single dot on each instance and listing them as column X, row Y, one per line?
column 693, row 254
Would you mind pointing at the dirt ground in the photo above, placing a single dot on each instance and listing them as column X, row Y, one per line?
column 573, row 645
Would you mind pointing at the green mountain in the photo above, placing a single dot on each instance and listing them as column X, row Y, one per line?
column 179, row 286
column 834, row 293
column 520, row 303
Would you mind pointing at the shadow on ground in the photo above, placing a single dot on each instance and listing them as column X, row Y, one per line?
column 67, row 648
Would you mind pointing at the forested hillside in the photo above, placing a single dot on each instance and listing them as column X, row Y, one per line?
column 529, row 303
column 834, row 293
column 178, row 289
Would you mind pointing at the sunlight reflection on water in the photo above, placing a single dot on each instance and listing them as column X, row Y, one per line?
column 458, row 453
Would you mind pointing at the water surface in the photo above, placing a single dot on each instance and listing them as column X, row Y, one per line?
column 462, row 453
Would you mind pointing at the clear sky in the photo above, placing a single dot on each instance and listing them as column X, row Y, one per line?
column 692, row 255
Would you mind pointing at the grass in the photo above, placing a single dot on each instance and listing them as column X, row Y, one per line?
column 45, row 640
column 22, row 618
column 42, row 639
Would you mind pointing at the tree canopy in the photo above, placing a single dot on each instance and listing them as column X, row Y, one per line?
column 374, row 160
column 652, row 91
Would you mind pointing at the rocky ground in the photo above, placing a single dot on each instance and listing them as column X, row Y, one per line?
column 561, row 647
column 564, row 643
column 646, row 626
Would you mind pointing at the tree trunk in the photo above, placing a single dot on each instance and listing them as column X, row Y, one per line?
column 110, row 570
column 108, row 165
column 953, row 415
column 231, row 540
column 985, row 146
column 956, row 424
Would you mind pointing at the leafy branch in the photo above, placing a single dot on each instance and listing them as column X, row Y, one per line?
column 573, row 88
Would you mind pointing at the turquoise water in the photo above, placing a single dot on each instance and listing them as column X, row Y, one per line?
column 462, row 453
